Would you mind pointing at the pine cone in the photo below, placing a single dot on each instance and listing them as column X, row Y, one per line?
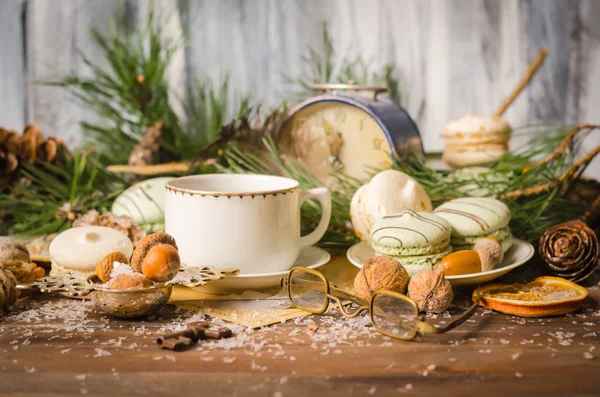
column 29, row 147
column 8, row 168
column 31, row 140
column 570, row 250
column 147, row 151
column 8, row 288
column 9, row 141
column 24, row 272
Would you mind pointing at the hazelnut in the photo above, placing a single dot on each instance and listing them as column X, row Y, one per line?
column 156, row 256
column 490, row 252
column 107, row 264
column 129, row 281
column 380, row 272
column 431, row 291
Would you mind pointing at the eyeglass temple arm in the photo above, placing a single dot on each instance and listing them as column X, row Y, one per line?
column 426, row 328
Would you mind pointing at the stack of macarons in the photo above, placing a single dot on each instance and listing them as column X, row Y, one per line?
column 419, row 240
column 476, row 218
column 475, row 140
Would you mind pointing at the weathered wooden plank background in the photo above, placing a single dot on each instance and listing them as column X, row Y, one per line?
column 455, row 56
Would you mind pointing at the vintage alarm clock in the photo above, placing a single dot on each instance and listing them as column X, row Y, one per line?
column 354, row 128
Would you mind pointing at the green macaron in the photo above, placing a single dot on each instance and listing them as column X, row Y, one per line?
column 418, row 240
column 475, row 218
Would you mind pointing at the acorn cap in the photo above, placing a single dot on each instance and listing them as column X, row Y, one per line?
column 107, row 264
column 146, row 245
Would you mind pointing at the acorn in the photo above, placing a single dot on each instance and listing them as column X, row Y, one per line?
column 157, row 257
column 461, row 262
column 105, row 267
column 129, row 281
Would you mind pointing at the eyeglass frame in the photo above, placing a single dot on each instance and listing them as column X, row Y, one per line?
column 421, row 327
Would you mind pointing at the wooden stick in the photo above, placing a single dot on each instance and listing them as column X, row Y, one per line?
column 533, row 68
column 147, row 170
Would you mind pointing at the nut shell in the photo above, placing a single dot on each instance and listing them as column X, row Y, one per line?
column 490, row 252
column 380, row 272
column 129, row 281
column 107, row 264
column 431, row 291
column 570, row 250
column 146, row 244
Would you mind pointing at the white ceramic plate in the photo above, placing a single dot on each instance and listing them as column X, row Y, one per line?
column 520, row 252
column 310, row 257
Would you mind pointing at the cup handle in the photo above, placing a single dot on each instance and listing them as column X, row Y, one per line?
column 321, row 194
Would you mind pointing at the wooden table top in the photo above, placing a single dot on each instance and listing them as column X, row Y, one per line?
column 61, row 347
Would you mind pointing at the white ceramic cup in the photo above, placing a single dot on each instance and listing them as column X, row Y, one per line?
column 247, row 222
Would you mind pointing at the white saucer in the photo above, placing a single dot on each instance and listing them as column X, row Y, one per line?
column 310, row 257
column 520, row 252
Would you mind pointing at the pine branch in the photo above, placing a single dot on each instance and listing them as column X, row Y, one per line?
column 49, row 196
column 132, row 94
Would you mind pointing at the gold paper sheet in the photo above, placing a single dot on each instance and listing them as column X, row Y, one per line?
column 257, row 309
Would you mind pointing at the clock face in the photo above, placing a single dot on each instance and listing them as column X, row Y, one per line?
column 335, row 134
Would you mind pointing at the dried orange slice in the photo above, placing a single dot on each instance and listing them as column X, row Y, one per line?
column 544, row 296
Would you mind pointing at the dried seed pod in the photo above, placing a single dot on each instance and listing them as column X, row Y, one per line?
column 431, row 291
column 156, row 256
column 380, row 272
column 570, row 250
column 107, row 264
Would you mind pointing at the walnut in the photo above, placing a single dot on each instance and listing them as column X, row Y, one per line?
column 156, row 256
column 431, row 291
column 380, row 272
column 10, row 250
column 490, row 252
column 107, row 264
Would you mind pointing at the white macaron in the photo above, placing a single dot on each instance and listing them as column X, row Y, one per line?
column 475, row 140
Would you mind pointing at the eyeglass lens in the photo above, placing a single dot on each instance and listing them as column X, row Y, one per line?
column 394, row 316
column 308, row 290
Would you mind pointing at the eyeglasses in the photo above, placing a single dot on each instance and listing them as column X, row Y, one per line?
column 392, row 313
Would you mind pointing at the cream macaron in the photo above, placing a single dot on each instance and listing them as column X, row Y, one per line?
column 475, row 140
column 79, row 249
column 476, row 218
column 389, row 192
column 418, row 240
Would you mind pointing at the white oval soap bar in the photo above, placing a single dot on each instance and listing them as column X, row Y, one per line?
column 81, row 248
column 143, row 202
